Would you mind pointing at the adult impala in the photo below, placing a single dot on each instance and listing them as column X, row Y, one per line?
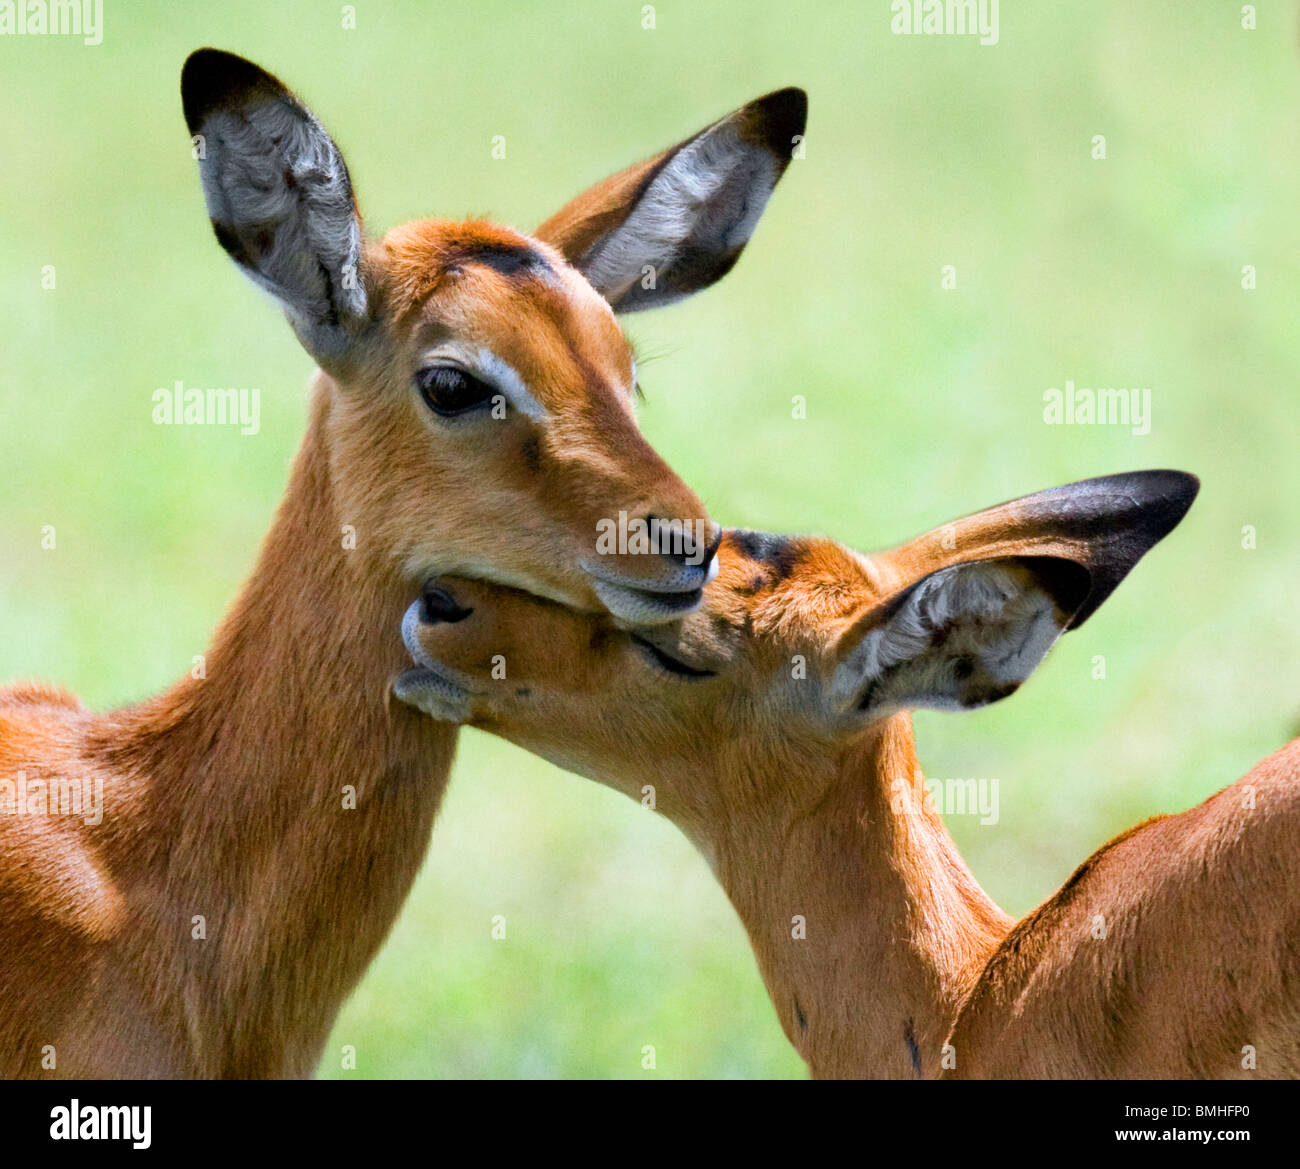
column 472, row 413
column 773, row 729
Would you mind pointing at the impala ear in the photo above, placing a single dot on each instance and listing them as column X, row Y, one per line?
column 973, row 608
column 963, row 637
column 279, row 196
column 677, row 222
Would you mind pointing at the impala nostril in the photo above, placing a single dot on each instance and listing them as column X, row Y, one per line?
column 437, row 606
column 680, row 540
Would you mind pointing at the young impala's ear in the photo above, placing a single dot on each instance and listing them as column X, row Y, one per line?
column 279, row 196
column 973, row 607
column 677, row 222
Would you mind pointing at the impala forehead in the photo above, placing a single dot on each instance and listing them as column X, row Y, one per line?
column 562, row 351
column 518, row 300
column 791, row 593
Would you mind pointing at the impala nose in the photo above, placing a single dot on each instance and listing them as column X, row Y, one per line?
column 690, row 549
column 437, row 605
column 661, row 575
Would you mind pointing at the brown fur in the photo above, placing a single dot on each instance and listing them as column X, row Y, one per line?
column 907, row 964
column 225, row 798
column 1167, row 954
column 796, row 816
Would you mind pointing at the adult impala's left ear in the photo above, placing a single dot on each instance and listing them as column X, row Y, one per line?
column 972, row 608
column 677, row 222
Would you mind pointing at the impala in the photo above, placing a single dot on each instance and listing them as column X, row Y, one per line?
column 772, row 727
column 473, row 412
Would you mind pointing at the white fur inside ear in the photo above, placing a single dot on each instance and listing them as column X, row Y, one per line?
column 274, row 181
column 710, row 193
column 963, row 637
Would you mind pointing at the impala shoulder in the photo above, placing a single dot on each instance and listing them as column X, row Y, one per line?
column 1095, row 890
column 38, row 723
column 51, row 806
column 1277, row 776
column 29, row 694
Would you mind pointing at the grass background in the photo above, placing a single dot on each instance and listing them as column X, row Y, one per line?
column 923, row 404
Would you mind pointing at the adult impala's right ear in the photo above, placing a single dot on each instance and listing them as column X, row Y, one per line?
column 968, row 611
column 677, row 222
column 279, row 196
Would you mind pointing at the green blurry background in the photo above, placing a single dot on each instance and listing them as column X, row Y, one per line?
column 922, row 404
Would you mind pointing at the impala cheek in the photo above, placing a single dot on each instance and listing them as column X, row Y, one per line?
column 530, row 454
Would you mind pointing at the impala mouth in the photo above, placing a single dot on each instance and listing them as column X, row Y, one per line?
column 668, row 663
column 641, row 602
column 432, row 687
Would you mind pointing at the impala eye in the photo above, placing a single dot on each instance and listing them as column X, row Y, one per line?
column 449, row 390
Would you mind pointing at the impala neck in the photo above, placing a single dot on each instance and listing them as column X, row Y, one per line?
column 291, row 798
column 896, row 927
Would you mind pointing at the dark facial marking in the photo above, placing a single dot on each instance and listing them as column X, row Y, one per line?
column 777, row 553
column 508, row 259
column 757, row 583
column 531, row 452
column 909, row 1037
column 719, row 624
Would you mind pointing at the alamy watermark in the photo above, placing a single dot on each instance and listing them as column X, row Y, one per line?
column 950, row 797
column 687, row 539
column 75, row 1121
column 187, row 406
column 57, row 796
column 945, row 18
column 53, row 18
column 1108, row 406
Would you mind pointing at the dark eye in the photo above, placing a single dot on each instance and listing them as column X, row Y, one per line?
column 448, row 390
column 666, row 662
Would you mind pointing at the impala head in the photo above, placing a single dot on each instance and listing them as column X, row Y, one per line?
column 480, row 388
column 801, row 645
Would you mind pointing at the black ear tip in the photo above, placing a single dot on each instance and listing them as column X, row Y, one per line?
column 1166, row 482
column 784, row 115
column 213, row 77
column 1183, row 490
column 1141, row 509
column 1167, row 496
column 208, row 58
column 791, row 102
column 1184, row 486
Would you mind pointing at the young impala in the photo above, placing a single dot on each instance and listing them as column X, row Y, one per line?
column 772, row 728
column 473, row 413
